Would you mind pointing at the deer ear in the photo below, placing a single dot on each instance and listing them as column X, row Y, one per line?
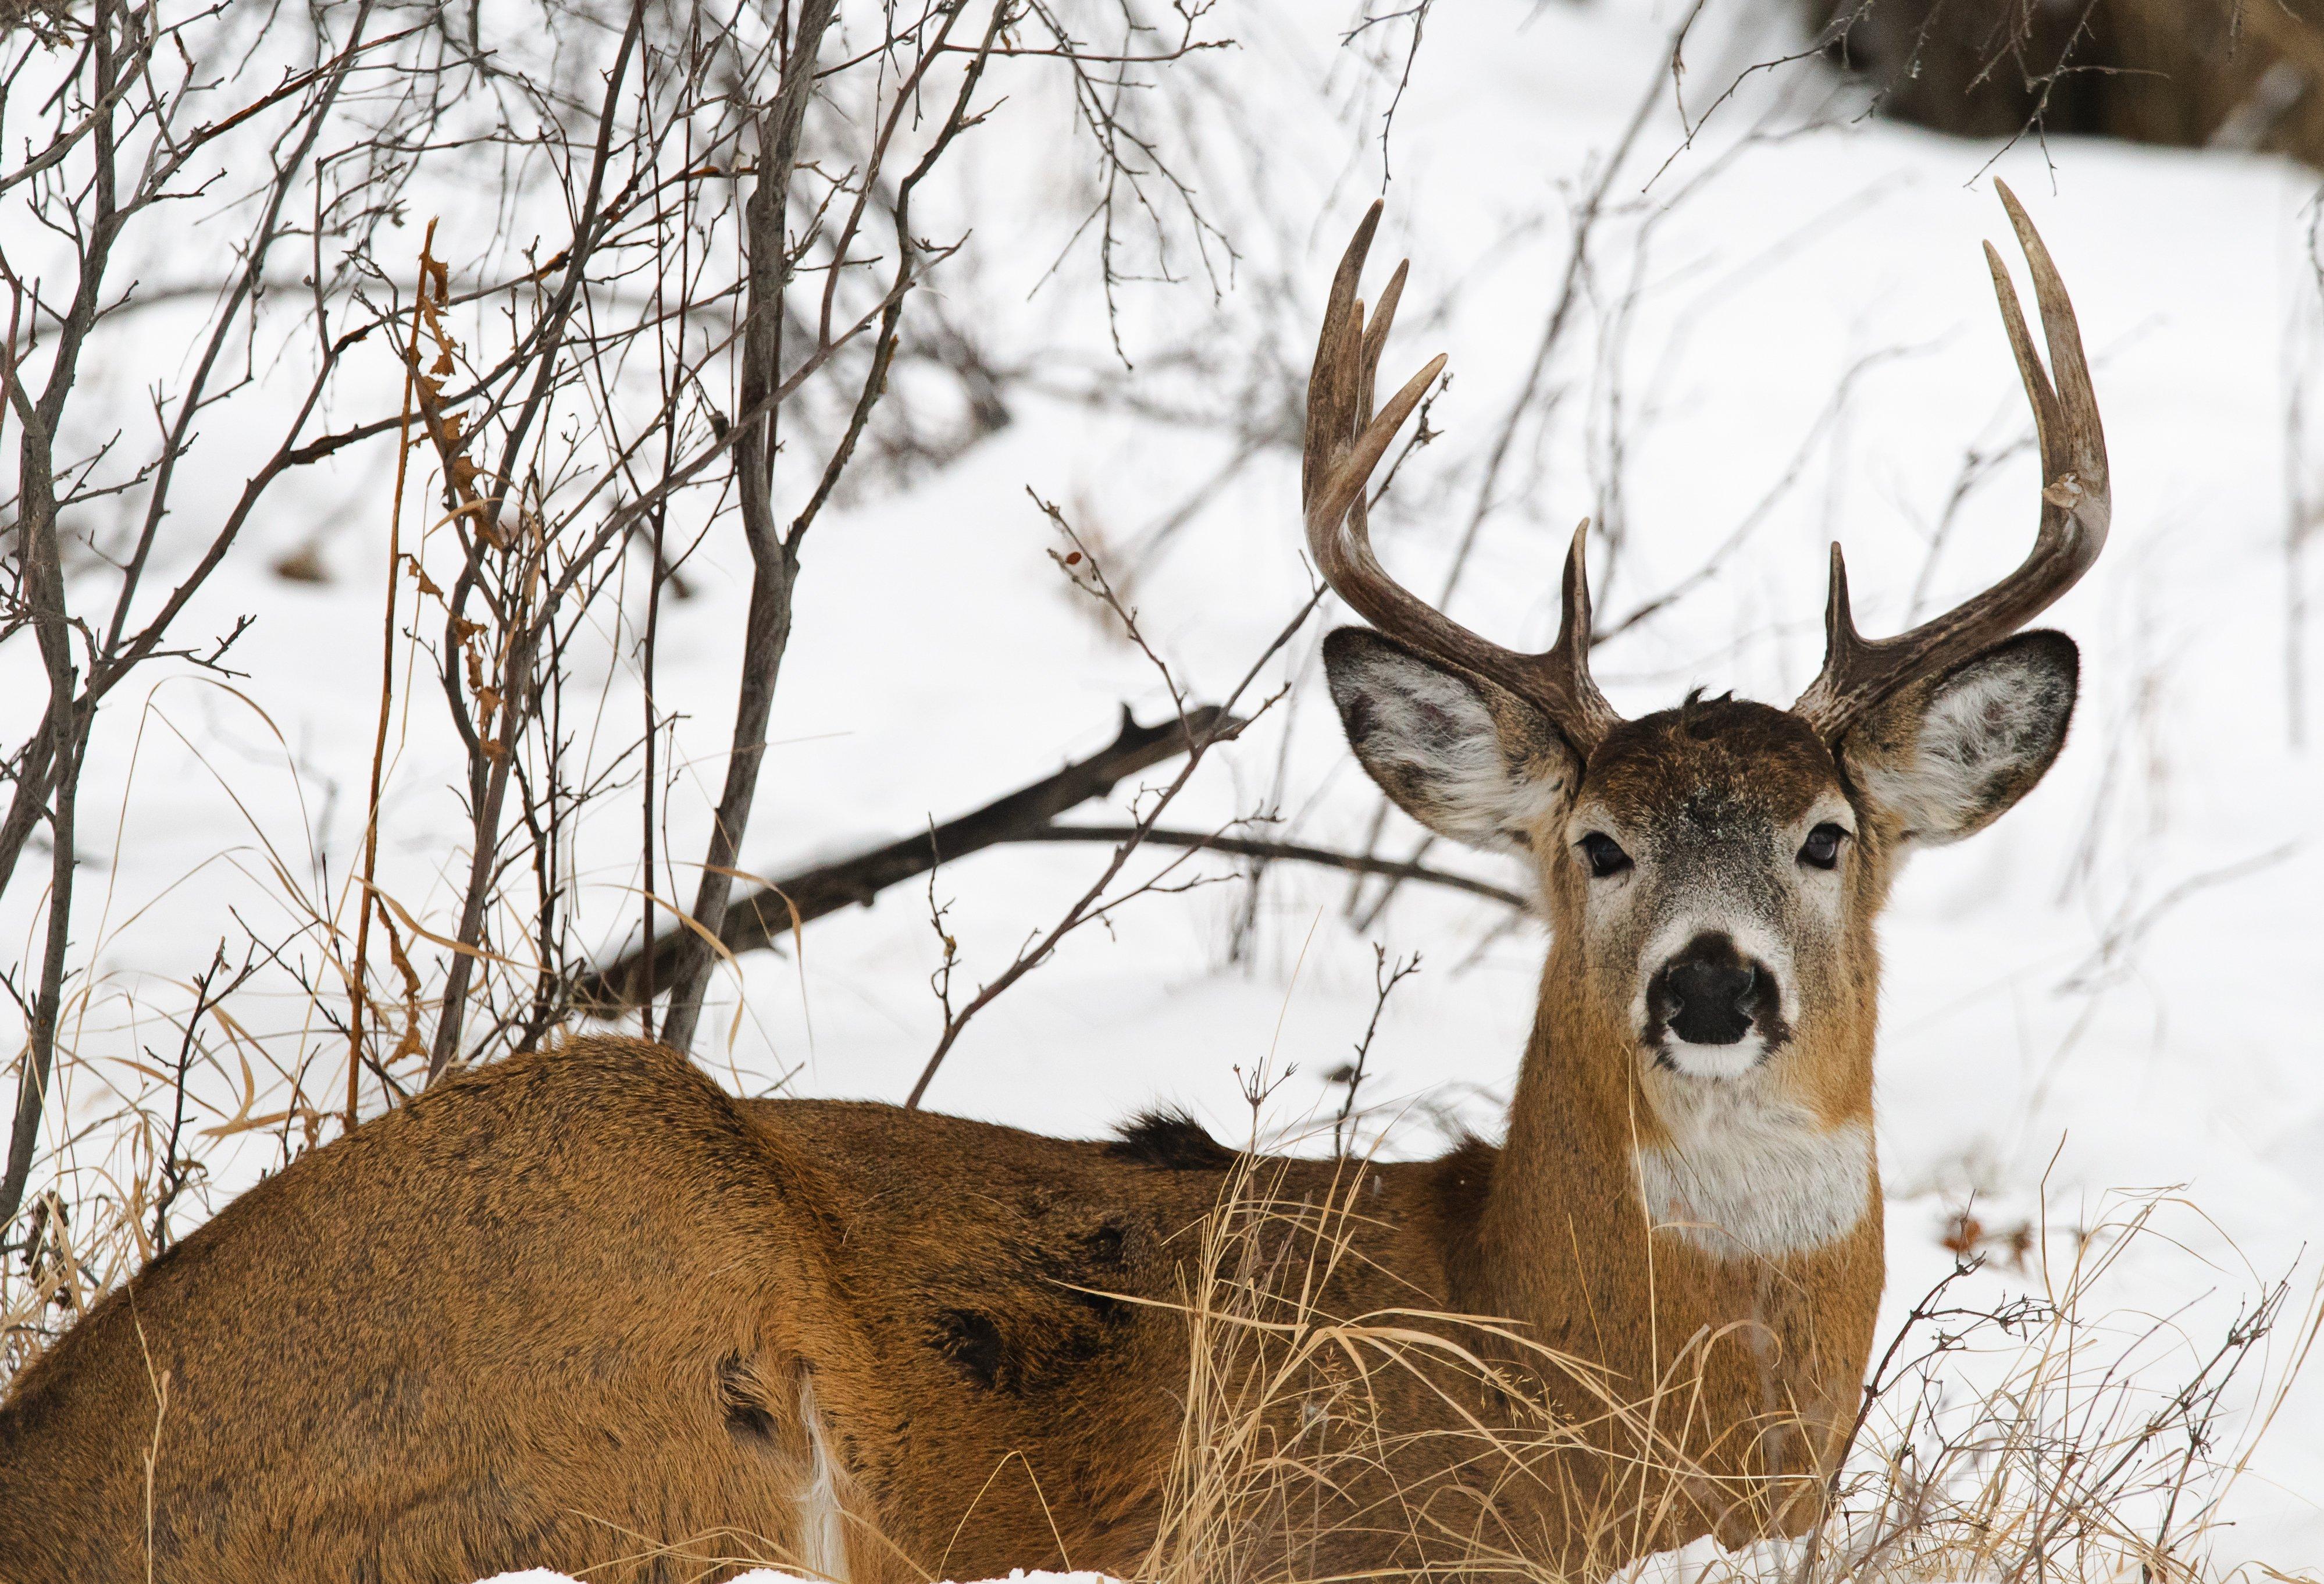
column 1466, row 757
column 1949, row 756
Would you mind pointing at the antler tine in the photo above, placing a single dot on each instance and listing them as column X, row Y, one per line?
column 1345, row 440
column 2076, row 438
column 1376, row 333
column 1374, row 338
column 2076, row 511
column 1564, row 684
column 1328, row 427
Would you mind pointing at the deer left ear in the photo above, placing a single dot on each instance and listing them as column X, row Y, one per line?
column 1949, row 756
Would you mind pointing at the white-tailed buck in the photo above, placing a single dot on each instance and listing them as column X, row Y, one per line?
column 583, row 1310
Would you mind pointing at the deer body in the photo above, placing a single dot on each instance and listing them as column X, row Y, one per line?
column 565, row 1309
column 583, row 1310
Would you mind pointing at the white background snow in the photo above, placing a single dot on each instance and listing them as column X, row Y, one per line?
column 2115, row 989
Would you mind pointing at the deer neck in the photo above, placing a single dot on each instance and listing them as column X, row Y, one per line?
column 1607, row 1173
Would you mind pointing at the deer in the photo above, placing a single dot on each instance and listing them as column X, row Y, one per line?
column 583, row 1309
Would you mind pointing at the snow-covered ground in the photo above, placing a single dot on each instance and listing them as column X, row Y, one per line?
column 2109, row 993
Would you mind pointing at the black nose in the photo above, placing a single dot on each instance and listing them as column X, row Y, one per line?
column 1708, row 992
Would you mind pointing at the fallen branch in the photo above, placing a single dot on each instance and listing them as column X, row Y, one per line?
column 756, row 919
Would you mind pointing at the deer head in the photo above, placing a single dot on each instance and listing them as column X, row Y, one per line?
column 1711, row 872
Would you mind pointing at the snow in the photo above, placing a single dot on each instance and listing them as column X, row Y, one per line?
column 2106, row 995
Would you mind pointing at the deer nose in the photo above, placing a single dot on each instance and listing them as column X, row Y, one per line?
column 1710, row 990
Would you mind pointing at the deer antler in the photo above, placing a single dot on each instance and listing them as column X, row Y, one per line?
column 1345, row 441
column 2076, row 507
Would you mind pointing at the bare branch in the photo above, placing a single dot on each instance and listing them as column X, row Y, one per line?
column 761, row 916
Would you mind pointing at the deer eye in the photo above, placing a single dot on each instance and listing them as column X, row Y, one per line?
column 1604, row 854
column 1823, row 847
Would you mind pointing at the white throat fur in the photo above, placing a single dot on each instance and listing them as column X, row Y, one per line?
column 1751, row 1172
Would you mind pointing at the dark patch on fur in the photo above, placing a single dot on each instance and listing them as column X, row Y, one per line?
column 1458, row 1184
column 1697, row 720
column 973, row 1343
column 1717, row 761
column 1169, row 1141
column 1462, row 1181
column 1745, row 725
column 1025, row 1312
column 1087, row 1279
column 739, row 1400
column 1082, row 1342
column 1103, row 1245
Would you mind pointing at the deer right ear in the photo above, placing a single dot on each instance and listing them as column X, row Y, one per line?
column 1466, row 757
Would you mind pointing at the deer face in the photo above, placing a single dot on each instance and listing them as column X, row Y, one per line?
column 1711, row 873
column 1707, row 844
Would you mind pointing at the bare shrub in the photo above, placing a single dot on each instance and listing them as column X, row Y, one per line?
column 672, row 295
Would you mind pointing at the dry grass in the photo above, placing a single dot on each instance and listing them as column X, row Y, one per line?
column 2035, row 1438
